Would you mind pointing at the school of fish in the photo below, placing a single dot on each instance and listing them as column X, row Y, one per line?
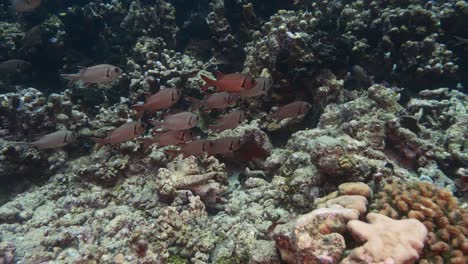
column 171, row 129
column 175, row 129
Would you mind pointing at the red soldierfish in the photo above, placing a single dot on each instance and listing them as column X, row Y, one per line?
column 124, row 133
column 57, row 139
column 14, row 66
column 292, row 110
column 215, row 101
column 228, row 121
column 21, row 6
column 263, row 85
column 163, row 99
column 232, row 83
column 180, row 121
column 168, row 138
column 193, row 148
column 224, row 145
column 102, row 73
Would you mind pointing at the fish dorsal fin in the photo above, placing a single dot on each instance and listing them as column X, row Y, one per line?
column 219, row 75
column 146, row 95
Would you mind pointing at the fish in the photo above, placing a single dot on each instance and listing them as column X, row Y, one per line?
column 292, row 110
column 232, row 83
column 180, row 121
column 124, row 133
column 228, row 121
column 461, row 41
column 102, row 73
column 14, row 66
column 214, row 101
column 263, row 85
column 359, row 73
column 163, row 99
column 224, row 145
column 53, row 140
column 168, row 138
column 193, row 148
column 22, row 6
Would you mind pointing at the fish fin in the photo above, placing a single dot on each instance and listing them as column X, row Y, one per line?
column 72, row 78
column 209, row 82
column 459, row 41
column 99, row 142
column 23, row 145
column 219, row 74
column 139, row 109
column 195, row 103
column 147, row 95
column 172, row 153
column 155, row 123
column 147, row 142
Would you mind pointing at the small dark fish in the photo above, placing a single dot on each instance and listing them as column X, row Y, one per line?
column 14, row 66
column 180, row 121
column 292, row 110
column 57, row 139
column 21, row 6
column 102, row 73
column 168, row 138
column 193, row 148
column 229, row 121
column 262, row 87
column 124, row 133
column 224, row 145
column 163, row 99
column 214, row 101
column 232, row 83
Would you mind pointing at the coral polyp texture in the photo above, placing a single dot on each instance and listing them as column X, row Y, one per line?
column 437, row 209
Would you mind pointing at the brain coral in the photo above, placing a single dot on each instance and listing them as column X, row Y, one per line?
column 437, row 209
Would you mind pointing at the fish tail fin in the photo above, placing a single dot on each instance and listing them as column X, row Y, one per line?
column 22, row 144
column 155, row 123
column 208, row 82
column 72, row 78
column 99, row 142
column 459, row 41
column 172, row 154
column 195, row 102
column 147, row 142
column 139, row 109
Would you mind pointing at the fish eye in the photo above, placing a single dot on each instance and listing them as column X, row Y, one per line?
column 196, row 118
column 179, row 92
column 117, row 70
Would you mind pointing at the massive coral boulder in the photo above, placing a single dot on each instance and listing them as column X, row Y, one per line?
column 314, row 237
column 387, row 240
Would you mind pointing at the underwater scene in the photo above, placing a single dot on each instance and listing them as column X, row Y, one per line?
column 233, row 131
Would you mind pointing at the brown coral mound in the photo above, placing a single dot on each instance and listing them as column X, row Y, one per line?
column 437, row 209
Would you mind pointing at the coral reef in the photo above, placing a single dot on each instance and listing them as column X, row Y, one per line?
column 384, row 84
